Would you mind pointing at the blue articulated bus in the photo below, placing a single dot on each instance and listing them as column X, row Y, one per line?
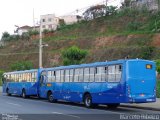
column 110, row 83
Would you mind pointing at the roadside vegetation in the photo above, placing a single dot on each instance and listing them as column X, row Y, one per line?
column 21, row 65
column 158, row 88
column 1, row 73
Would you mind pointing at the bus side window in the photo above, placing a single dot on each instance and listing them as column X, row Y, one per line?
column 76, row 75
column 53, row 76
column 49, row 76
column 81, row 75
column 62, row 79
column 111, row 73
column 98, row 74
column 71, row 75
column 118, row 72
column 103, row 74
column 86, row 74
column 92, row 70
column 66, row 75
column 58, row 76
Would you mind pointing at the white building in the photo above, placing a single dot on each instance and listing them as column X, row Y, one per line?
column 149, row 4
column 23, row 29
column 49, row 22
column 70, row 19
column 26, row 28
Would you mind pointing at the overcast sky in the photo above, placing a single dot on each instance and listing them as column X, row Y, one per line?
column 20, row 12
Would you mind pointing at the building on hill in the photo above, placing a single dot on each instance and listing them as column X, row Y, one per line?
column 149, row 4
column 70, row 19
column 22, row 29
column 49, row 22
column 26, row 28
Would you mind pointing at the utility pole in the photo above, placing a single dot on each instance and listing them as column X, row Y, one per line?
column 40, row 45
column 33, row 20
column 106, row 2
column 158, row 1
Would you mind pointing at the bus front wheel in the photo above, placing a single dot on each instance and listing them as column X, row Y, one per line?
column 7, row 91
column 51, row 98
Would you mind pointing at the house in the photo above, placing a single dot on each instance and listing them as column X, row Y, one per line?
column 149, row 4
column 23, row 29
column 26, row 28
column 49, row 22
column 70, row 19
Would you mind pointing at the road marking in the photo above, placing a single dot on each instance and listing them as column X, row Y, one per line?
column 13, row 104
column 114, row 112
column 66, row 114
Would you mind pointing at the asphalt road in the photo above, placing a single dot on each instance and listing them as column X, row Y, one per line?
column 35, row 109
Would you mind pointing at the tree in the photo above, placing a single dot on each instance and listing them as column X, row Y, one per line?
column 111, row 10
column 94, row 12
column 73, row 55
column 25, row 36
column 5, row 36
column 22, row 65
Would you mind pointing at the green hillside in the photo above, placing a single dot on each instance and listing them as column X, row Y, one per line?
column 133, row 33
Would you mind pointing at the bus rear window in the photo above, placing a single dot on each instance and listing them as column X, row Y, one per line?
column 148, row 66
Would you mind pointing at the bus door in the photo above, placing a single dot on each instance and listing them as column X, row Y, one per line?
column 43, row 79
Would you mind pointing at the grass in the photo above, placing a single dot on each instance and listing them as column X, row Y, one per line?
column 158, row 89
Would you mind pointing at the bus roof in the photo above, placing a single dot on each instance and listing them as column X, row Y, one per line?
column 96, row 64
column 24, row 71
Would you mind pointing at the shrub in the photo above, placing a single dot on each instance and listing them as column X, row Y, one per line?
column 33, row 32
column 5, row 36
column 22, row 65
column 133, row 26
column 73, row 55
column 158, row 66
column 158, row 89
column 147, row 52
column 1, row 73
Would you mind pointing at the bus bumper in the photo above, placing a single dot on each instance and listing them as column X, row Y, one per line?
column 141, row 100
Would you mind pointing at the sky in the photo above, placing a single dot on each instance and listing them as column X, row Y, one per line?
column 20, row 12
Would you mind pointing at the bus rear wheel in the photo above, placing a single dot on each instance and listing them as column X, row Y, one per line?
column 51, row 98
column 113, row 106
column 88, row 101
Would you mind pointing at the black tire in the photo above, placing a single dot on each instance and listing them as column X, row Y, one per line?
column 88, row 101
column 113, row 106
column 24, row 94
column 7, row 91
column 51, row 98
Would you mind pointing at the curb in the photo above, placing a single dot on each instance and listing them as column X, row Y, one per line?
column 140, row 107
